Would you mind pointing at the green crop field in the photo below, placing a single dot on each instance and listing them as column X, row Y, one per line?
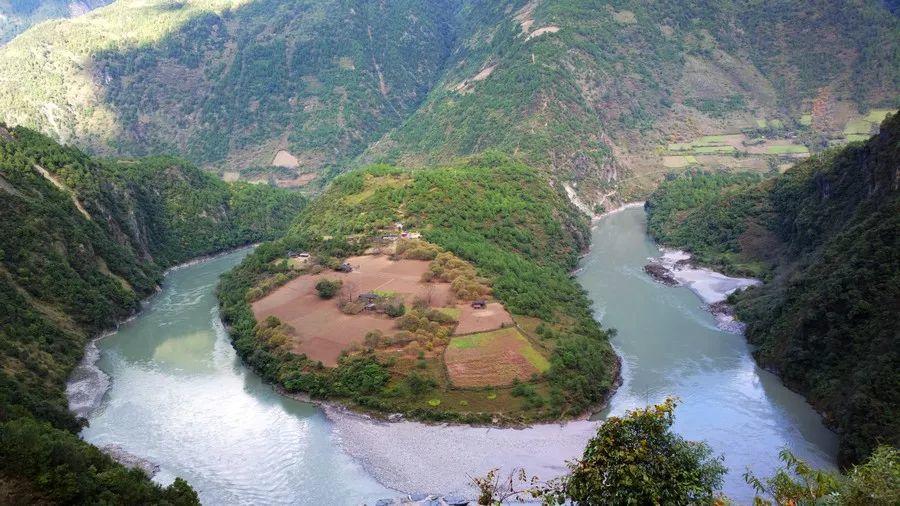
column 858, row 126
column 707, row 150
column 878, row 115
column 787, row 149
column 683, row 146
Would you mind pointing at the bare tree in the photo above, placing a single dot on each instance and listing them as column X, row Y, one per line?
column 348, row 292
column 517, row 486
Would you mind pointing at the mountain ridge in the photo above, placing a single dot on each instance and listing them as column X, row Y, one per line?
column 82, row 242
column 591, row 93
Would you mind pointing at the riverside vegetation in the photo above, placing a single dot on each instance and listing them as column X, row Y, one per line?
column 498, row 215
column 824, row 237
column 82, row 241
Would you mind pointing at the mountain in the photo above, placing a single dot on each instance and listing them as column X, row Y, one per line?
column 604, row 97
column 16, row 16
column 229, row 83
column 82, row 241
column 824, row 236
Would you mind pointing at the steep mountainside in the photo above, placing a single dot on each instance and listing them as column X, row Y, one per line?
column 228, row 82
column 596, row 89
column 606, row 96
column 825, row 235
column 17, row 15
column 81, row 242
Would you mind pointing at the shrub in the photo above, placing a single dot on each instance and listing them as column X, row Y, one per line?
column 328, row 288
column 419, row 384
column 395, row 309
column 637, row 459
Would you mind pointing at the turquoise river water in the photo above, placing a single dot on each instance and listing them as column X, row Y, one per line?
column 180, row 397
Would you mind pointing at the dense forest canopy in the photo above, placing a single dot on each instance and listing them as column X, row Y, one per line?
column 82, row 241
column 824, row 235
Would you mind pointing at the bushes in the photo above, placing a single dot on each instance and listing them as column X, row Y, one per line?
column 875, row 482
column 636, row 459
column 419, row 384
column 328, row 288
column 415, row 249
column 69, row 471
column 395, row 308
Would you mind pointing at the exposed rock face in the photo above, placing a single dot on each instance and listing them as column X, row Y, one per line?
column 130, row 460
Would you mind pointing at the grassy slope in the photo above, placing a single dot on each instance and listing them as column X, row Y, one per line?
column 825, row 234
column 229, row 82
column 497, row 214
column 64, row 278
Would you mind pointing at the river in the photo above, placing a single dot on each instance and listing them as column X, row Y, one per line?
column 670, row 345
column 180, row 397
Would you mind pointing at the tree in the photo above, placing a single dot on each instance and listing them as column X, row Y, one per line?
column 327, row 288
column 636, row 459
column 876, row 482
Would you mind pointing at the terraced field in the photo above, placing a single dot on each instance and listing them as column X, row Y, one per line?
column 493, row 359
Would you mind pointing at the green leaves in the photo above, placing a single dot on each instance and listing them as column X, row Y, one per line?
column 636, row 459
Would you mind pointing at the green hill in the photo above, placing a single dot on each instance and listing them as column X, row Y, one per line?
column 18, row 15
column 521, row 236
column 82, row 241
column 590, row 91
column 824, row 235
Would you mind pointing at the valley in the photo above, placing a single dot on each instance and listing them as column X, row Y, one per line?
column 295, row 448
column 449, row 252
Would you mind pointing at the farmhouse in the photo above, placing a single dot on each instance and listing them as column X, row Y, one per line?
column 367, row 297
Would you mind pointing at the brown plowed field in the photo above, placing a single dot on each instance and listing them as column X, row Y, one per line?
column 493, row 317
column 321, row 330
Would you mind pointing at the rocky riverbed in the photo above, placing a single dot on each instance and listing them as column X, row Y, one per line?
column 441, row 458
column 674, row 268
column 130, row 460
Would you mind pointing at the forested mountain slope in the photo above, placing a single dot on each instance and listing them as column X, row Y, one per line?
column 17, row 15
column 601, row 94
column 82, row 241
column 596, row 89
column 825, row 235
column 228, row 82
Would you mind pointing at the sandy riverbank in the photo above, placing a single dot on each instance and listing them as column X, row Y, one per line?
column 417, row 457
column 712, row 287
column 597, row 217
